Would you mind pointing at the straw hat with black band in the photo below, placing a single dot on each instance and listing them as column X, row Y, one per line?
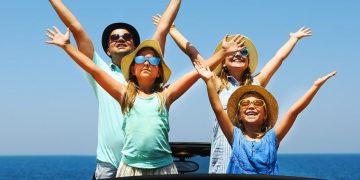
column 110, row 28
column 253, row 55
column 153, row 44
column 272, row 107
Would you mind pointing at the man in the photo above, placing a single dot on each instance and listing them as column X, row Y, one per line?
column 118, row 40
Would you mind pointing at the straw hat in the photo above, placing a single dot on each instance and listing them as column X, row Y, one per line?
column 153, row 44
column 271, row 103
column 253, row 55
column 111, row 27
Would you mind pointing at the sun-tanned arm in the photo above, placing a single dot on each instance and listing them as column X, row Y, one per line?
column 273, row 65
column 82, row 39
column 283, row 128
column 181, row 41
column 180, row 86
column 113, row 87
column 222, row 117
column 162, row 29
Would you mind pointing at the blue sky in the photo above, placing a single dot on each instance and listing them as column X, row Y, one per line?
column 48, row 107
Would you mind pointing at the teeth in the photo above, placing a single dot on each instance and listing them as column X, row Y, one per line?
column 251, row 113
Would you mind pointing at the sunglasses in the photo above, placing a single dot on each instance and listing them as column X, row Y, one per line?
column 126, row 37
column 152, row 60
column 243, row 52
column 256, row 103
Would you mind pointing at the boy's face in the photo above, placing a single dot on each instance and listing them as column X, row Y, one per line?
column 120, row 42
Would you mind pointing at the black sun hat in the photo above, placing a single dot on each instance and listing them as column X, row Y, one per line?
column 111, row 27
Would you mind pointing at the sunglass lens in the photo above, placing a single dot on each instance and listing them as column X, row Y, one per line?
column 114, row 37
column 244, row 52
column 154, row 61
column 258, row 103
column 244, row 102
column 126, row 36
column 140, row 59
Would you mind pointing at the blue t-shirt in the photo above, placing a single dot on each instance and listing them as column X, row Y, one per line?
column 220, row 148
column 251, row 157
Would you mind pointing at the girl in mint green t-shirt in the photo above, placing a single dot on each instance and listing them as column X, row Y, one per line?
column 144, row 101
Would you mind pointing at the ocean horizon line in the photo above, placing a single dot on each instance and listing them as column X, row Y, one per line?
column 93, row 155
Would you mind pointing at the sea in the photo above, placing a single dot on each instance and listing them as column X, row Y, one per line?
column 324, row 166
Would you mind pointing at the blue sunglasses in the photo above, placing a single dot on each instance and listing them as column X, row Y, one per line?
column 152, row 60
column 243, row 52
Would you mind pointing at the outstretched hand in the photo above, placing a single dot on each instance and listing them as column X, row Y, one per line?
column 302, row 32
column 234, row 45
column 319, row 82
column 156, row 20
column 204, row 72
column 57, row 38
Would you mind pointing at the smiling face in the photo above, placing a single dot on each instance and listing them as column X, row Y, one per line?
column 252, row 110
column 119, row 43
column 145, row 70
column 236, row 62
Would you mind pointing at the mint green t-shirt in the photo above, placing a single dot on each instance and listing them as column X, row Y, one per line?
column 110, row 134
column 146, row 143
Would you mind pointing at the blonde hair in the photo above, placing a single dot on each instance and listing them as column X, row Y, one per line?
column 246, row 78
column 266, row 126
column 128, row 100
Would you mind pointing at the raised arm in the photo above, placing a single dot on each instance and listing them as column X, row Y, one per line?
column 222, row 117
column 82, row 39
column 179, row 87
column 181, row 42
column 113, row 87
column 273, row 65
column 162, row 29
column 283, row 128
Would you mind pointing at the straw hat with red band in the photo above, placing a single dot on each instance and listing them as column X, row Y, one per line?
column 271, row 103
column 153, row 44
column 253, row 55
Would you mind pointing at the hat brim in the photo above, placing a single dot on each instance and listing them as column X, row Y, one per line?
column 107, row 31
column 153, row 44
column 253, row 55
column 271, row 103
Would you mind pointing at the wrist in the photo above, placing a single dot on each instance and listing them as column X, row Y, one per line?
column 294, row 38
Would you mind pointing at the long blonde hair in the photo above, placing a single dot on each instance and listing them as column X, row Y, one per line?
column 128, row 100
column 246, row 79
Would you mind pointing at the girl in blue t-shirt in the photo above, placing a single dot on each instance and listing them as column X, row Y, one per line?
column 145, row 100
column 249, row 123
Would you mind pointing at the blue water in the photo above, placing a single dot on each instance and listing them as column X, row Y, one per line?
column 82, row 167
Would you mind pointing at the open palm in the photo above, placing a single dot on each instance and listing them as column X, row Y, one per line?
column 57, row 38
column 204, row 72
column 302, row 32
column 234, row 45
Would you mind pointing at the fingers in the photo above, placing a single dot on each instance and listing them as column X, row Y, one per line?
column 56, row 29
column 225, row 38
column 330, row 75
column 323, row 79
column 50, row 36
column 305, row 31
column 208, row 68
column 51, row 32
column 49, row 42
column 155, row 20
